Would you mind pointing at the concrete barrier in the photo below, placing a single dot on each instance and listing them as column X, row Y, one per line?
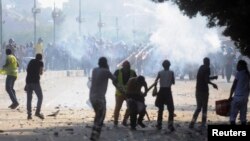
column 75, row 73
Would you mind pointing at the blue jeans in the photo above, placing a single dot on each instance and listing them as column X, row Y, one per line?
column 239, row 106
column 9, row 86
column 38, row 90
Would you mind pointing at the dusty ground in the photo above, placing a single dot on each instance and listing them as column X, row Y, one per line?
column 69, row 94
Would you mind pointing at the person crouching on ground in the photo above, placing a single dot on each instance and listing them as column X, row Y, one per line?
column 136, row 101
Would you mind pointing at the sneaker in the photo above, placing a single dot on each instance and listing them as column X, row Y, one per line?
column 29, row 117
column 11, row 106
column 115, row 123
column 124, row 123
column 158, row 126
column 93, row 137
column 243, row 123
column 171, row 128
column 203, row 127
column 41, row 116
column 191, row 125
column 133, row 128
column 14, row 106
column 232, row 123
column 141, row 124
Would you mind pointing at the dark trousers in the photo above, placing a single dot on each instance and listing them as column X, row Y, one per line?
column 165, row 97
column 38, row 90
column 9, row 86
column 229, row 70
column 238, row 106
column 202, row 101
column 133, row 110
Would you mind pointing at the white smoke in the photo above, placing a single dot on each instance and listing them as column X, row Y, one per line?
column 181, row 39
column 175, row 36
column 50, row 3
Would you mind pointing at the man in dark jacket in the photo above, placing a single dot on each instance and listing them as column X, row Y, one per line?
column 34, row 70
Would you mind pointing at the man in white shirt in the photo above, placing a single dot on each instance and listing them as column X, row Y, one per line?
column 99, row 84
column 164, row 96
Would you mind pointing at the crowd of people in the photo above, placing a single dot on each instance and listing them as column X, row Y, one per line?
column 23, row 53
column 129, row 88
column 128, row 83
column 75, row 54
column 34, row 70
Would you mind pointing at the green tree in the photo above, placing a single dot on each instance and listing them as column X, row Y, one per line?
column 231, row 14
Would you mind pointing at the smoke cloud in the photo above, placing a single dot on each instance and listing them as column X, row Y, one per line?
column 181, row 39
column 50, row 3
column 173, row 35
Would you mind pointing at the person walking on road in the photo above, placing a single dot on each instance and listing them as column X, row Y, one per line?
column 34, row 70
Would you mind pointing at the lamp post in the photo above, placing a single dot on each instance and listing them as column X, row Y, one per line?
column 55, row 14
column 79, row 19
column 133, row 30
column 134, row 35
column 117, row 28
column 100, row 25
column 35, row 11
column 1, row 26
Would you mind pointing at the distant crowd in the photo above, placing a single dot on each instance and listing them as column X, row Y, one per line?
column 81, row 54
column 132, row 88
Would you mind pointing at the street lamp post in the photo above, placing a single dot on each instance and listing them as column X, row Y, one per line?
column 100, row 25
column 134, row 35
column 79, row 19
column 133, row 30
column 117, row 28
column 35, row 11
column 1, row 25
column 55, row 14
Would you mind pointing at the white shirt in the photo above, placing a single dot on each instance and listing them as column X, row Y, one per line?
column 166, row 78
column 99, row 83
